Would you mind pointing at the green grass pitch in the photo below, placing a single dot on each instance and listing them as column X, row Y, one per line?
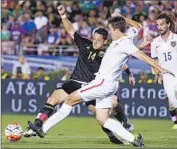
column 76, row 132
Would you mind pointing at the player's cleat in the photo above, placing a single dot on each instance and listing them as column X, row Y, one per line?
column 128, row 126
column 114, row 140
column 29, row 133
column 38, row 130
column 138, row 142
column 174, row 127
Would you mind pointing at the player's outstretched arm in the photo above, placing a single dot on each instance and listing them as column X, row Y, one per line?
column 154, row 70
column 147, row 40
column 142, row 56
column 67, row 24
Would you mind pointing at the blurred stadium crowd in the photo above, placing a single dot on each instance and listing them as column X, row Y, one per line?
column 35, row 27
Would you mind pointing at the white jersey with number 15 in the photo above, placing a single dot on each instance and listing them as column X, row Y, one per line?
column 166, row 52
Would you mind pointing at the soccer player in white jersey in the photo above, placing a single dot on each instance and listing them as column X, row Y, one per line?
column 164, row 50
column 106, row 83
column 132, row 31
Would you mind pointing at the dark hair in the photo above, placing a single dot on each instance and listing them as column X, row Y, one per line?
column 102, row 31
column 18, row 70
column 41, row 68
column 169, row 19
column 118, row 22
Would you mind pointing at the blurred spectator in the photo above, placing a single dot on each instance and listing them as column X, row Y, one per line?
column 75, row 10
column 26, row 4
column 143, row 21
column 85, row 30
column 128, row 9
column 37, row 17
column 51, row 39
column 65, row 39
column 29, row 26
column 174, row 10
column 151, row 28
column 18, row 10
column 20, row 20
column 4, row 75
column 92, row 18
column 10, row 22
column 41, row 74
column 41, row 25
column 21, row 69
column 40, row 20
column 5, row 33
column 27, row 44
column 144, row 78
column 40, row 5
column 51, row 17
column 7, row 45
column 4, row 13
column 18, row 74
column 16, row 35
column 28, row 7
column 78, row 20
column 86, row 5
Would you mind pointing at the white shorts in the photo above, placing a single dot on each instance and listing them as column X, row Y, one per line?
column 100, row 90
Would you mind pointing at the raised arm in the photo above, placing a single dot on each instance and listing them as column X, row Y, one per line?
column 66, row 23
column 130, row 22
column 133, row 23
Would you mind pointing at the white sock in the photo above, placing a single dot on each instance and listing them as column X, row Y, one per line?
column 61, row 114
column 119, row 130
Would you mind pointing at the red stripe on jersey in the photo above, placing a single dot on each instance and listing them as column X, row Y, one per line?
column 93, row 86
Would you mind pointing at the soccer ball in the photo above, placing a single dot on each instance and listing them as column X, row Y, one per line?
column 13, row 132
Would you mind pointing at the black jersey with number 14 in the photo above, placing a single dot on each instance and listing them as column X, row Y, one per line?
column 89, row 60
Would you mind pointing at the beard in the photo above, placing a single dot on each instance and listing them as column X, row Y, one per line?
column 163, row 32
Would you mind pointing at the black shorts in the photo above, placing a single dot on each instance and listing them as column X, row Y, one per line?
column 71, row 86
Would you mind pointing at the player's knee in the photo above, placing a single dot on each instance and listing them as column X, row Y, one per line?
column 53, row 100
column 69, row 101
column 73, row 99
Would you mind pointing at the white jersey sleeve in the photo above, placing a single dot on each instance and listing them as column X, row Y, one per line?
column 132, row 32
column 130, row 48
column 153, row 50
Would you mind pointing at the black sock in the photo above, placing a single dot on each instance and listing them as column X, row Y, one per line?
column 108, row 132
column 119, row 114
column 173, row 114
column 44, row 114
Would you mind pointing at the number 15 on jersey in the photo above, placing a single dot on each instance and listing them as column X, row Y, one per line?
column 167, row 56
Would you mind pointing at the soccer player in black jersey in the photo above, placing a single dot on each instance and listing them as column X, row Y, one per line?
column 90, row 56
